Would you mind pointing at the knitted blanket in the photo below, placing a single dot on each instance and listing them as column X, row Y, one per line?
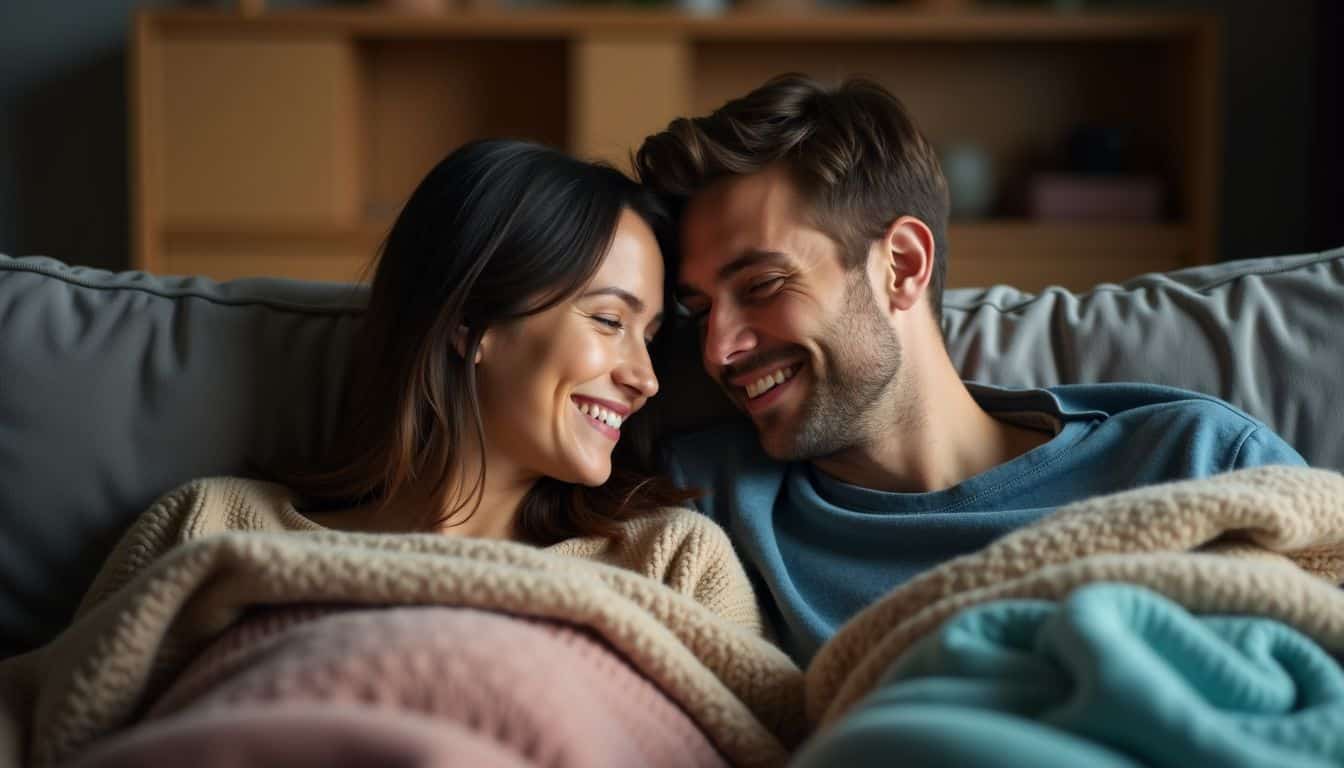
column 1267, row 542
column 97, row 675
column 340, row 687
column 1113, row 676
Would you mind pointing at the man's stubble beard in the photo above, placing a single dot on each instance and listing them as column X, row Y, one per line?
column 853, row 403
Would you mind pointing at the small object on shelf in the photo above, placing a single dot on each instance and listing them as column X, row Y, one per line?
column 703, row 7
column 969, row 171
column 945, row 5
column 417, row 6
column 771, row 5
column 1079, row 197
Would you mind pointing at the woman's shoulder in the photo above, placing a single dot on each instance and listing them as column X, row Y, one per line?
column 655, row 543
column 672, row 525
column 194, row 510
column 210, row 505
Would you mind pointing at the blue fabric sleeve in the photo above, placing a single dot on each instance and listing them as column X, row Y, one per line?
column 1262, row 447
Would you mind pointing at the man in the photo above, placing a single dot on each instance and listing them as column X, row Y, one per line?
column 813, row 249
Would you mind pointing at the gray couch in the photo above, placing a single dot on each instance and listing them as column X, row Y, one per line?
column 116, row 387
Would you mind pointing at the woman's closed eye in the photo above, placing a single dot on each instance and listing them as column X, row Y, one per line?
column 610, row 321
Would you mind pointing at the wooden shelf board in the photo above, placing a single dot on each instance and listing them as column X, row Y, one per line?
column 819, row 24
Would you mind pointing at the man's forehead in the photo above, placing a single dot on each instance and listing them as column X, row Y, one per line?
column 734, row 214
column 748, row 196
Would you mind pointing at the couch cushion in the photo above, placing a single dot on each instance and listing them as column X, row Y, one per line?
column 115, row 388
column 1263, row 334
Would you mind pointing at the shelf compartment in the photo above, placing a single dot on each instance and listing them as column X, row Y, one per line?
column 258, row 129
column 424, row 98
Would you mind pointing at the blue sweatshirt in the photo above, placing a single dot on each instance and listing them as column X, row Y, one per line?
column 820, row 550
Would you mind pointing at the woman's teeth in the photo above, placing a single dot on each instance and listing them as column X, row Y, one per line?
column 770, row 380
column 598, row 413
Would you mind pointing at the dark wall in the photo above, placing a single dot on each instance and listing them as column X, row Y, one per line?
column 63, row 129
column 1328, row 156
column 63, row 125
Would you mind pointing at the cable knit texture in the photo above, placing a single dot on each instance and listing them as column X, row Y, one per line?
column 668, row 594
column 1267, row 541
column 437, row 686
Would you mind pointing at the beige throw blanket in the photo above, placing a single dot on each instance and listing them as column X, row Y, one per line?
column 148, row 615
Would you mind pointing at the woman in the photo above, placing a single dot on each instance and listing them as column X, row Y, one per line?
column 500, row 360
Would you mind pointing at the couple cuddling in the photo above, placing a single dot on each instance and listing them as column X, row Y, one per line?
column 506, row 353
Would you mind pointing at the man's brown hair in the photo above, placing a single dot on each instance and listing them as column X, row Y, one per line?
column 852, row 150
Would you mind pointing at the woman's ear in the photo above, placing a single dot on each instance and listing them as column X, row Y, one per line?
column 460, row 343
column 908, row 246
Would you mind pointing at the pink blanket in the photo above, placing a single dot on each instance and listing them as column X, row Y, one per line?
column 420, row 686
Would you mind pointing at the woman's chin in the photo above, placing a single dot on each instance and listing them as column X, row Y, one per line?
column 589, row 471
column 592, row 476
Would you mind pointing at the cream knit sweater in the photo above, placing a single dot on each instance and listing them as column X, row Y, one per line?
column 678, row 547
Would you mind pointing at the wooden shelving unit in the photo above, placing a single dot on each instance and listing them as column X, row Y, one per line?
column 283, row 143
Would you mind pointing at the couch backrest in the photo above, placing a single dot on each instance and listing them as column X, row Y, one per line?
column 116, row 387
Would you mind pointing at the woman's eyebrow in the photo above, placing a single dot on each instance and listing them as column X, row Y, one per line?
column 636, row 303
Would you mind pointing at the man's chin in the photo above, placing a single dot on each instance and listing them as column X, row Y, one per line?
column 778, row 442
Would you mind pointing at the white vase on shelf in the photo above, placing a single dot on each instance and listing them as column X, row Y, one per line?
column 969, row 171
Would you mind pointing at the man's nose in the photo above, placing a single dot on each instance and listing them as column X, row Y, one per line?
column 727, row 336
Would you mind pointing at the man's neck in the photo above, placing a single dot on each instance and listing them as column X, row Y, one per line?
column 933, row 435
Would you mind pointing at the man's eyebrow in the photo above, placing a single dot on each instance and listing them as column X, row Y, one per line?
column 636, row 303
column 748, row 259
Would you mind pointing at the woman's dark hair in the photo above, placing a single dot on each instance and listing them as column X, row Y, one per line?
column 497, row 231
column 853, row 151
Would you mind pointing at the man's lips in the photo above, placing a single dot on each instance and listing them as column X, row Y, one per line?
column 733, row 379
column 766, row 399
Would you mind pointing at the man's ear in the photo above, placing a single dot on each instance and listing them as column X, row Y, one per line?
column 460, row 343
column 908, row 248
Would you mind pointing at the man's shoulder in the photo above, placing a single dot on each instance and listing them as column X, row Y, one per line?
column 1148, row 401
column 1218, row 435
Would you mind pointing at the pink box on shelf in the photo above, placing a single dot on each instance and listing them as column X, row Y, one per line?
column 1072, row 197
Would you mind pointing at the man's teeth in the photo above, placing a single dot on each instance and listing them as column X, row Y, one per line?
column 769, row 381
column 601, row 414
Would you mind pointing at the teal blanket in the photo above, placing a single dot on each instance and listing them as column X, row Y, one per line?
column 1115, row 675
